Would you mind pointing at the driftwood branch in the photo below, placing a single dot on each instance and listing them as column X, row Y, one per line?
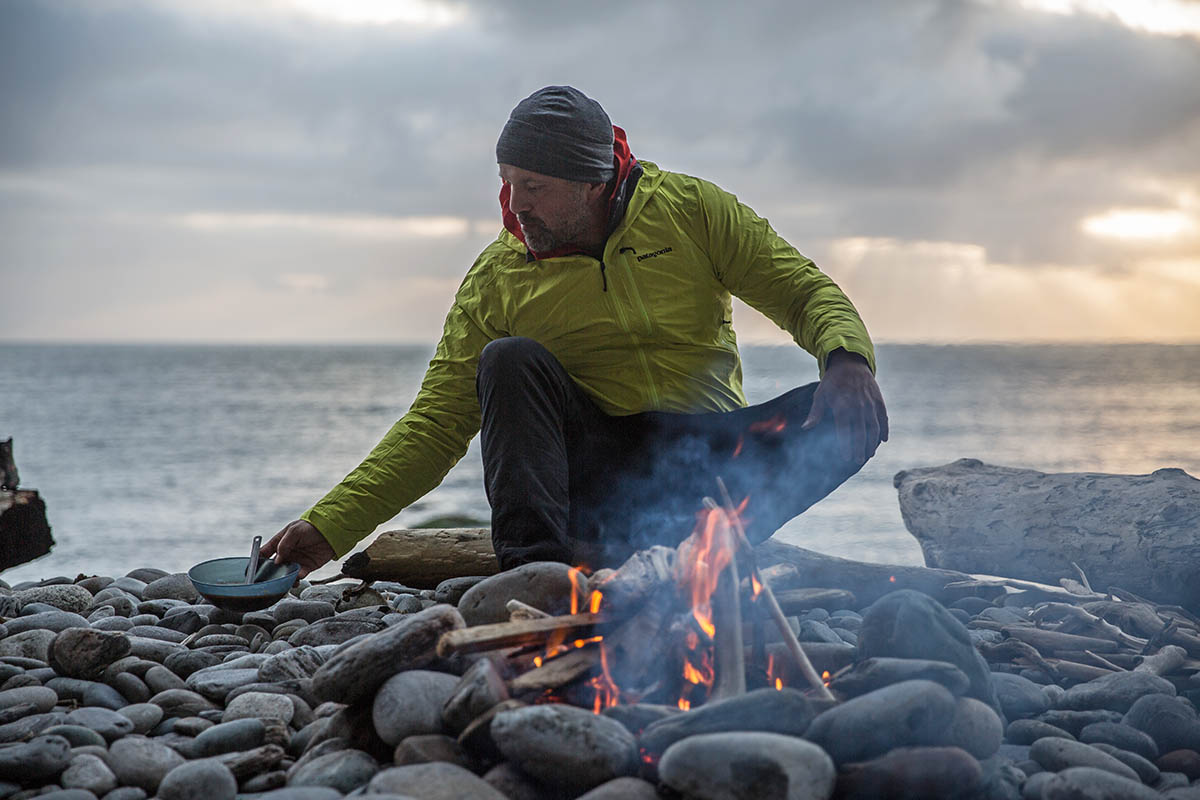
column 517, row 634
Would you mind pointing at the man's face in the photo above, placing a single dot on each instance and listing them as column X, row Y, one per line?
column 553, row 212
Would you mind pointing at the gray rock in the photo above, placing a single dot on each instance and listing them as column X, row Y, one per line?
column 102, row 695
column 68, row 794
column 1057, row 754
column 435, row 781
column 1028, row 731
column 1019, row 697
column 207, row 779
column 1074, row 721
column 1147, row 771
column 912, row 772
column 344, row 770
column 427, row 748
column 185, row 662
column 152, row 649
column 131, row 585
column 870, row 674
column 29, row 726
column 77, row 735
column 355, row 673
column 298, row 662
column 228, row 737
column 480, row 688
column 41, row 698
column 126, row 793
column 565, row 746
column 182, row 703
column 542, row 584
column 1121, row 736
column 302, row 793
column 85, row 652
column 911, row 713
column 976, row 728
column 259, row 705
column 103, row 721
column 747, row 766
column 172, row 587
column 163, row 634
column 138, row 761
column 89, row 772
column 785, row 712
column 622, row 789
column 407, row 604
column 217, row 682
column 112, row 624
column 1172, row 723
column 28, row 644
column 334, row 630
column 909, row 624
column 144, row 716
column 410, row 704
column 1116, row 692
column 53, row 620
column 516, row 785
column 185, row 622
column 35, row 761
column 67, row 597
column 1168, row 781
column 1089, row 783
column 146, row 574
column 159, row 679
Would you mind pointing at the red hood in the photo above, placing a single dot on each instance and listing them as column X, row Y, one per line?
column 625, row 162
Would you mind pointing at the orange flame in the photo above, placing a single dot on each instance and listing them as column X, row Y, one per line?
column 684, row 705
column 710, row 552
column 775, row 424
column 756, row 585
column 737, row 451
column 594, row 601
column 778, row 684
column 825, row 677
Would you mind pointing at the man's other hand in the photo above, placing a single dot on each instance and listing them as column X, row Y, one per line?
column 849, row 391
column 299, row 541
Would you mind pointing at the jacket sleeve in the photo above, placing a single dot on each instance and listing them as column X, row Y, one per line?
column 420, row 448
column 757, row 265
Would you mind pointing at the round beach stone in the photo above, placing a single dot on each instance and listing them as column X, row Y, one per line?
column 217, row 682
column 1028, row 731
column 172, row 587
column 68, row 597
column 259, row 705
column 307, row 610
column 410, row 704
column 1116, row 692
column 89, row 772
column 35, row 761
column 159, row 679
column 622, row 789
column 786, row 711
column 428, row 748
column 182, row 703
column 109, row 724
column 542, row 584
column 875, row 673
column 480, row 688
column 434, row 781
column 295, row 663
column 747, row 766
column 131, row 687
column 1019, row 697
column 565, row 746
column 152, row 649
column 1057, row 754
column 913, row 772
column 343, row 770
column 334, row 630
column 138, row 761
column 28, row 644
column 85, row 652
column 910, row 713
column 41, row 698
column 228, row 737
column 1172, row 723
column 205, row 779
column 77, row 735
column 52, row 620
column 1122, row 736
column 144, row 716
column 131, row 585
column 185, row 662
column 976, row 728
column 157, row 632
column 1073, row 722
column 30, row 725
column 1090, row 783
column 1147, row 772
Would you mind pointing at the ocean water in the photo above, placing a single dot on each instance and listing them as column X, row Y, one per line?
column 164, row 455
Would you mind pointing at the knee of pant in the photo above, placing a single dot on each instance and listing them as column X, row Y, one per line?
column 508, row 356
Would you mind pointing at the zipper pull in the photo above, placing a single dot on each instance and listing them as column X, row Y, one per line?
column 603, row 276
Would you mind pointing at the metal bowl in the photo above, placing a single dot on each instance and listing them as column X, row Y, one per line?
column 222, row 582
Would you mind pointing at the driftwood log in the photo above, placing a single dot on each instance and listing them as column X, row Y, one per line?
column 424, row 557
column 24, row 532
column 1138, row 532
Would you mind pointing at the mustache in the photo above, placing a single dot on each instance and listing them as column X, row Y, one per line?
column 526, row 220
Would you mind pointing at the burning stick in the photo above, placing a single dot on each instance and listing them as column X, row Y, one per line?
column 789, row 637
column 514, row 634
column 727, row 616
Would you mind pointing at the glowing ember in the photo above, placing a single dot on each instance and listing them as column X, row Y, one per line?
column 778, row 684
column 775, row 424
column 737, row 451
column 684, row 705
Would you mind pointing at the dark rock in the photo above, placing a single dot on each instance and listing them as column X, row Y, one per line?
column 622, row 789
column 126, row 793
column 146, row 574
column 344, row 770
column 334, row 630
column 141, row 762
column 516, row 785
column 1185, row 761
column 1028, row 731
column 747, row 766
column 1089, row 783
column 29, row 726
column 1057, row 754
column 912, row 773
column 144, row 716
column 909, row 624
column 543, row 584
column 434, row 781
column 77, row 735
column 184, row 663
column 131, row 687
column 428, row 748
column 785, row 712
column 298, row 662
column 1122, row 736
column 1116, row 692
column 303, row 793
column 36, row 761
column 565, row 746
column 875, row 673
column 639, row 716
column 242, row 734
column 451, row 590
column 259, row 705
column 976, row 728
column 911, row 713
column 1073, row 722
column 206, row 779
column 1170, row 722
column 152, row 649
column 217, row 682
column 53, row 620
column 68, row 597
column 480, row 688
column 1147, row 772
column 89, row 772
column 1019, row 697
column 28, row 644
column 181, row 703
column 410, row 703
column 171, row 587
column 40, row 698
column 161, row 679
column 103, row 721
column 264, row 782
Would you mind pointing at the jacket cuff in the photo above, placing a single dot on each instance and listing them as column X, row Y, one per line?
column 855, row 346
column 341, row 540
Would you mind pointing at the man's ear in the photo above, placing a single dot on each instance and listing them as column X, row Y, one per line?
column 596, row 191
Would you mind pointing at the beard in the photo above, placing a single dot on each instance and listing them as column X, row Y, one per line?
column 566, row 227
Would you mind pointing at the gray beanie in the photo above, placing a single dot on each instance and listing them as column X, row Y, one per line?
column 561, row 132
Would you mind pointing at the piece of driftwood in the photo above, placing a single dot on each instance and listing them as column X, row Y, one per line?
column 558, row 671
column 24, row 532
column 499, row 635
column 423, row 557
column 1050, row 642
column 1164, row 662
column 518, row 611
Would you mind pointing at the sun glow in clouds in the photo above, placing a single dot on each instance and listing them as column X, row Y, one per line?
column 1140, row 224
column 422, row 13
column 1170, row 17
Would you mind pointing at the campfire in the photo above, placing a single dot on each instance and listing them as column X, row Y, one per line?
column 681, row 626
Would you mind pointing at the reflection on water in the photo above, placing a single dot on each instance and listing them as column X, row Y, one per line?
column 169, row 455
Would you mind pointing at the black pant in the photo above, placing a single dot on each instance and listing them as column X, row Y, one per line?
column 569, row 483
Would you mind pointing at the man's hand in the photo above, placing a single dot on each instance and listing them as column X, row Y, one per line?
column 299, row 541
column 849, row 390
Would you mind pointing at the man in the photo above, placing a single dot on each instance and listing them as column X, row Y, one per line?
column 591, row 345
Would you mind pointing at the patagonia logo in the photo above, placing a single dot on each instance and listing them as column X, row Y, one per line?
column 654, row 254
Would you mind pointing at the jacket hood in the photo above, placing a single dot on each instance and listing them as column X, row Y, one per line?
column 628, row 173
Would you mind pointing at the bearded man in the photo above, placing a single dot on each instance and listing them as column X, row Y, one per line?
column 591, row 346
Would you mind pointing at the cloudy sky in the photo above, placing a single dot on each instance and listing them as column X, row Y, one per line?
column 322, row 170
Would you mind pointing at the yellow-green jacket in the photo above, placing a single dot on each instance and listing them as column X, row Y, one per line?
column 646, row 328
